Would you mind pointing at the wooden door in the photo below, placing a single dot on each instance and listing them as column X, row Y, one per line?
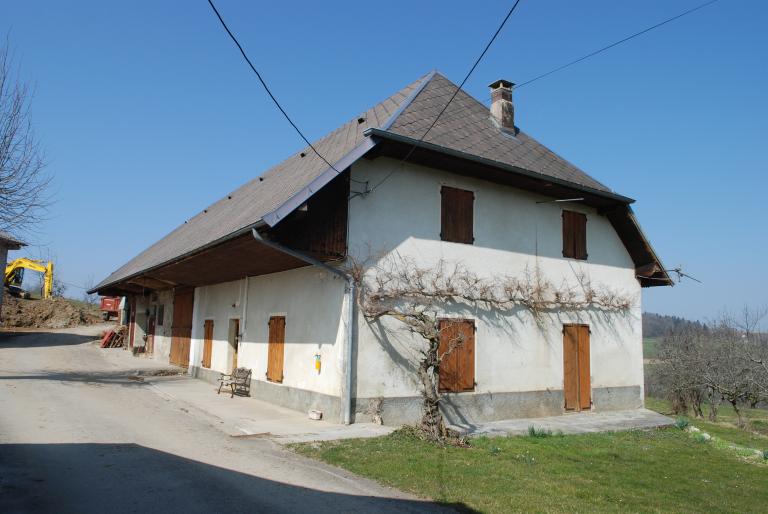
column 577, row 387
column 207, row 343
column 150, row 349
column 457, row 351
column 276, row 349
column 181, row 329
column 131, row 321
column 234, row 340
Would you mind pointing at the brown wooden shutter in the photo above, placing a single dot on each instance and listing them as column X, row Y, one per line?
column 457, row 215
column 276, row 349
column 207, row 343
column 585, row 385
column 457, row 350
column 574, row 235
column 577, row 383
column 571, row 366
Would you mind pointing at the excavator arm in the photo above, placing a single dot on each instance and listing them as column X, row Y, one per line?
column 14, row 273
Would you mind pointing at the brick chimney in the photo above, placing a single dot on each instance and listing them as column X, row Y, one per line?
column 502, row 109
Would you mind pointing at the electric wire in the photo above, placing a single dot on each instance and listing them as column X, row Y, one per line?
column 456, row 92
column 267, row 89
column 616, row 43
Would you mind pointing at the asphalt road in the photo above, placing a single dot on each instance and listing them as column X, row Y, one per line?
column 78, row 435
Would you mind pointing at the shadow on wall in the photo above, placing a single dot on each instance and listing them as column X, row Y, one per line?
column 116, row 478
column 41, row 339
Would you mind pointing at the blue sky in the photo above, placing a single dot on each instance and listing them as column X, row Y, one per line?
column 147, row 113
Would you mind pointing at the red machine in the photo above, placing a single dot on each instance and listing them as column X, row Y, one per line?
column 110, row 306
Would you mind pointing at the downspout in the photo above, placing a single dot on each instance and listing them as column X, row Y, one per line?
column 350, row 289
column 244, row 326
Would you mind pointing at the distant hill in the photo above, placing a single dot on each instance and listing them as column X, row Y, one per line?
column 656, row 325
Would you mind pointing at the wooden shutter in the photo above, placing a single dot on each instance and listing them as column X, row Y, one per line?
column 276, row 349
column 577, row 387
column 574, row 235
column 207, row 343
column 457, row 215
column 585, row 386
column 571, row 366
column 457, row 350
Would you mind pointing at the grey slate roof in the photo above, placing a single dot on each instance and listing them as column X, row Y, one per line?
column 465, row 126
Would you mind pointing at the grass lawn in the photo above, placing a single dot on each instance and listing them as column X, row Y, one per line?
column 638, row 471
column 756, row 436
column 650, row 347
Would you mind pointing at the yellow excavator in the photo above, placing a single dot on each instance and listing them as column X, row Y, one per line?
column 14, row 275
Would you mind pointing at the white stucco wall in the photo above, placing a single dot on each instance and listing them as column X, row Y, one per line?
column 311, row 301
column 162, row 346
column 512, row 232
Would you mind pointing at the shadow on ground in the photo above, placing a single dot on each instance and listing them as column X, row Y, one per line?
column 41, row 339
column 117, row 478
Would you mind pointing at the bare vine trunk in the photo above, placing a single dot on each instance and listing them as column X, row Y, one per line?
column 432, row 422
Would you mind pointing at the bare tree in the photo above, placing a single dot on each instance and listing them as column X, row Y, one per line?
column 727, row 362
column 92, row 298
column 416, row 296
column 23, row 182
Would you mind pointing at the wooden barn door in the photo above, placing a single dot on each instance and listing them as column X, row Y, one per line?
column 276, row 351
column 207, row 343
column 577, row 387
column 457, row 350
column 181, row 329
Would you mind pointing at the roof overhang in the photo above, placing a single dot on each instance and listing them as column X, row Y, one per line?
column 273, row 217
column 239, row 257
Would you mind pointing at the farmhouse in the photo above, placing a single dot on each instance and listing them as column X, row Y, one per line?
column 261, row 279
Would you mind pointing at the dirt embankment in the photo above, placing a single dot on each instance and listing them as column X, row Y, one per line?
column 51, row 313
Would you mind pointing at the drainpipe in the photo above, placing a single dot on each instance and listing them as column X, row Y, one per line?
column 243, row 329
column 350, row 289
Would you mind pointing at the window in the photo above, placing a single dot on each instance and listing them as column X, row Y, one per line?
column 456, row 215
column 574, row 235
column 457, row 351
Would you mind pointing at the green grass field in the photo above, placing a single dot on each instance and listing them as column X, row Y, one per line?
column 650, row 347
column 638, row 471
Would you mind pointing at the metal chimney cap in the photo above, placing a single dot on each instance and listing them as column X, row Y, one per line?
column 501, row 83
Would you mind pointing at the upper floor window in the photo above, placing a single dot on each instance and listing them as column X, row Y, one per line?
column 456, row 215
column 574, row 235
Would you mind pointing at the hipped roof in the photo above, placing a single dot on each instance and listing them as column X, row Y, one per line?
column 464, row 130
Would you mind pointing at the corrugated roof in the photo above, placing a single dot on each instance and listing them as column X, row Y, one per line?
column 465, row 126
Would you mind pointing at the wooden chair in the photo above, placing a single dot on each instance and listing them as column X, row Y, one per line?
column 239, row 382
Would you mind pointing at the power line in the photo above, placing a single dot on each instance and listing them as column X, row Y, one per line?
column 469, row 73
column 603, row 49
column 266, row 88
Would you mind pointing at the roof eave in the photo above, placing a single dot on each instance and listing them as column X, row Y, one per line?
column 112, row 283
column 384, row 134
